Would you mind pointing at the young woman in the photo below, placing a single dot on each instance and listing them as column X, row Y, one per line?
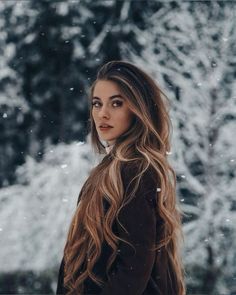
column 124, row 236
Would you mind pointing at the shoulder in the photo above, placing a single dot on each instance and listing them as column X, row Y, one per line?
column 132, row 169
column 131, row 173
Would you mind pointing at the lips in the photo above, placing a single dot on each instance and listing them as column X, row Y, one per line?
column 105, row 126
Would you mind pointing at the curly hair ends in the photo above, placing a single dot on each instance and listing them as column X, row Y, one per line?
column 146, row 144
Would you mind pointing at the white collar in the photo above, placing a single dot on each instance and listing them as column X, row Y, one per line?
column 109, row 148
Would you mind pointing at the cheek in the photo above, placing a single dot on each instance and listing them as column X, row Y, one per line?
column 93, row 115
column 128, row 118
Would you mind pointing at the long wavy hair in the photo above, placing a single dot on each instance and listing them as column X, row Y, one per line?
column 146, row 143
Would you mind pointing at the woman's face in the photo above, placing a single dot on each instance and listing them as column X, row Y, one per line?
column 109, row 107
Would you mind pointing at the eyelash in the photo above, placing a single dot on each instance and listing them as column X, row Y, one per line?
column 116, row 101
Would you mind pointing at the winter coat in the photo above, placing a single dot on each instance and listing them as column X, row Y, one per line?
column 132, row 273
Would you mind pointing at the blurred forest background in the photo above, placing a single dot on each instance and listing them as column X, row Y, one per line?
column 50, row 52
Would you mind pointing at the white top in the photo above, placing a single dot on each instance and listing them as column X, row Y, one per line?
column 109, row 148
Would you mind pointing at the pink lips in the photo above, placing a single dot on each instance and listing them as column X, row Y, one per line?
column 105, row 128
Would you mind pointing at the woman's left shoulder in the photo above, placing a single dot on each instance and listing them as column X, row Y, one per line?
column 148, row 181
column 133, row 168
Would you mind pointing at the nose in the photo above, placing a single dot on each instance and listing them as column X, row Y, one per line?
column 104, row 112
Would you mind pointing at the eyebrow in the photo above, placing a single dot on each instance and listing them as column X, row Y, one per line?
column 111, row 97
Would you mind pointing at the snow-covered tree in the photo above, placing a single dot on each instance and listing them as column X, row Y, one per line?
column 42, row 68
column 35, row 212
column 189, row 49
column 12, row 106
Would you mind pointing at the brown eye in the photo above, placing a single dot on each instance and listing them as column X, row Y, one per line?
column 118, row 103
column 95, row 103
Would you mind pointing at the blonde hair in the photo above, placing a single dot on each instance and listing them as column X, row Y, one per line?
column 147, row 144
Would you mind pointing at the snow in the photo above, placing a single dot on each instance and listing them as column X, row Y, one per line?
column 36, row 212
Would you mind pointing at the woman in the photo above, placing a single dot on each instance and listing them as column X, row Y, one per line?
column 124, row 235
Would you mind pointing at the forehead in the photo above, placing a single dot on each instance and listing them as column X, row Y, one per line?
column 104, row 89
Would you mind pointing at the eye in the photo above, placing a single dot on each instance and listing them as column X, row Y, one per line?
column 95, row 103
column 115, row 103
column 118, row 103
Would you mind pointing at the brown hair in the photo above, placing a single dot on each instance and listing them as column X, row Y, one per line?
column 147, row 143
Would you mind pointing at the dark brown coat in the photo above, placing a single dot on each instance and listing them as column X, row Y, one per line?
column 132, row 273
